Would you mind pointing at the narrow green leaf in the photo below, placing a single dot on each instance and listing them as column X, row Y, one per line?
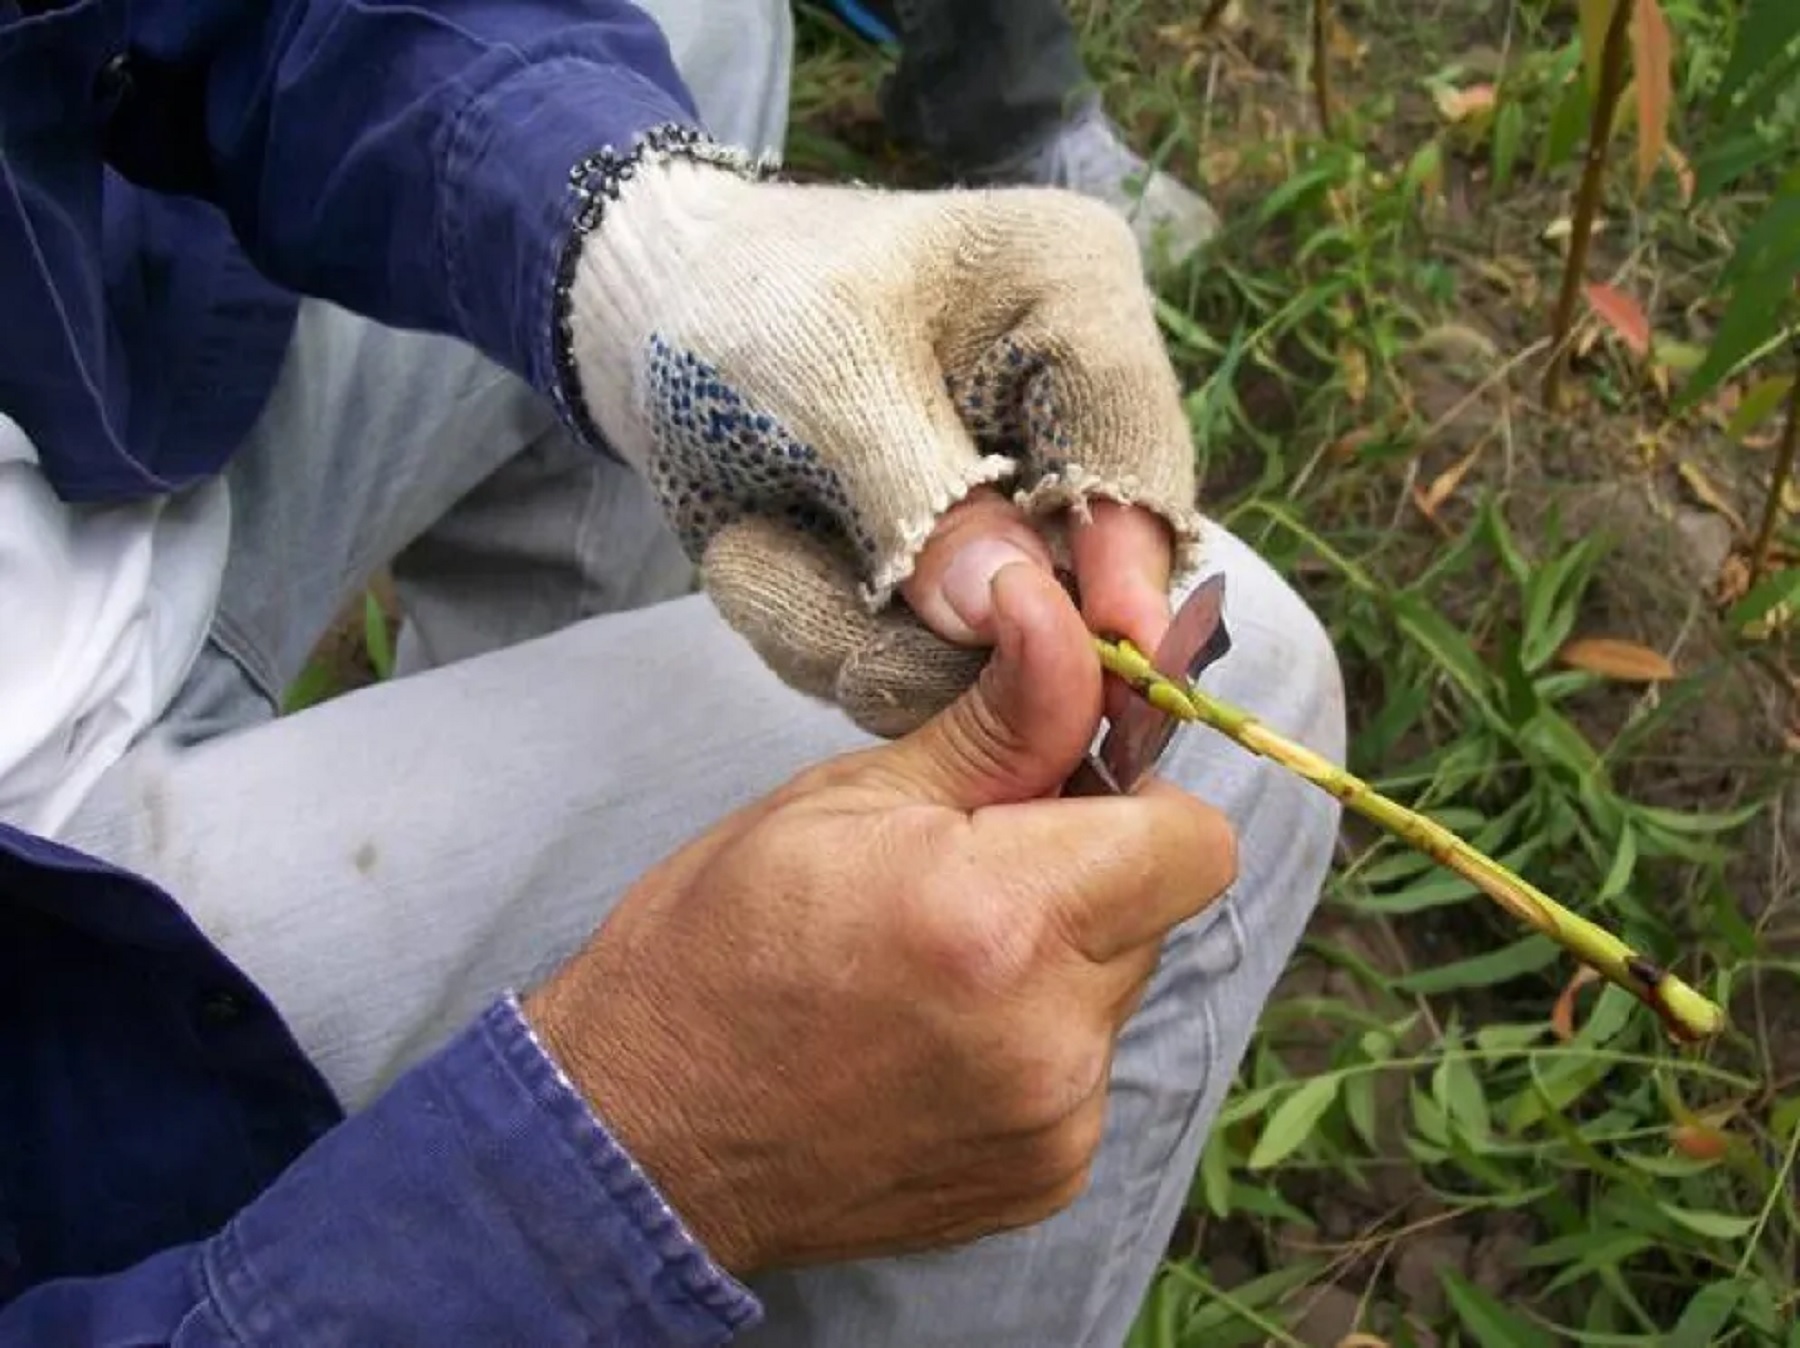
column 1359, row 1108
column 1213, row 1181
column 1770, row 247
column 1507, row 1038
column 1752, row 317
column 1528, row 956
column 314, row 685
column 1294, row 1120
column 1624, row 863
column 1568, row 123
column 1449, row 647
column 1607, row 1245
column 1458, row 1089
column 1302, row 185
column 1765, row 29
column 1696, row 821
column 1762, row 398
column 1493, row 525
column 1781, row 588
column 1258, row 1201
column 1491, row 1323
column 1509, row 132
column 1566, row 1081
column 375, row 636
column 1668, row 1167
column 1715, row 1225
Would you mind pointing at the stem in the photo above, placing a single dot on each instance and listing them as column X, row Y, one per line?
column 1587, row 199
column 1321, row 74
column 1686, row 1014
column 1784, row 470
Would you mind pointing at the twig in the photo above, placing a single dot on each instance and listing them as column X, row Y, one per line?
column 1686, row 1014
column 1321, row 75
column 1587, row 199
column 1784, row 471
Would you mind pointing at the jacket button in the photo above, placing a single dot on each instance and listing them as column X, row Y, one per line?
column 112, row 85
column 221, row 1007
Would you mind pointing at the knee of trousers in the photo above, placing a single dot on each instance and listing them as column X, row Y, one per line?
column 1282, row 667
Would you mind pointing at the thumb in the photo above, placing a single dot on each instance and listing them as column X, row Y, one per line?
column 1019, row 731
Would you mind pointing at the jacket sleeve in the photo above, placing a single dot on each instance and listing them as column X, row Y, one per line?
column 410, row 160
column 476, row 1201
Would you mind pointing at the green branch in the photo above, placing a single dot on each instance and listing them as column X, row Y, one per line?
column 1687, row 1015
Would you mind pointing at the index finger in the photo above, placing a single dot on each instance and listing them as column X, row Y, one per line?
column 1122, row 871
column 1123, row 557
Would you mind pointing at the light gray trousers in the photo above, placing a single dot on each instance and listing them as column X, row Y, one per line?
column 387, row 862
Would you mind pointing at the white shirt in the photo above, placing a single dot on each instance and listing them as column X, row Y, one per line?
column 102, row 612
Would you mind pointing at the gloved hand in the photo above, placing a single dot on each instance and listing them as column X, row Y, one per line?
column 812, row 377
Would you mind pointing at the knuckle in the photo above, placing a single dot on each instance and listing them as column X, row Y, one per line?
column 1048, row 1088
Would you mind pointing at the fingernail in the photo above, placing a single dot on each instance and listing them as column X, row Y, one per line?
column 968, row 582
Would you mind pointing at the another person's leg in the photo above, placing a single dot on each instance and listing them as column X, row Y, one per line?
column 996, row 91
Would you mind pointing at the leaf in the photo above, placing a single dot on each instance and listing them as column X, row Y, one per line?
column 1709, row 495
column 1683, row 171
column 1459, row 105
column 1562, row 1015
column 1359, row 1108
column 1650, row 57
column 1768, row 27
column 1770, row 594
column 1567, row 122
column 1714, row 1225
column 375, row 636
column 1622, row 314
column 1698, row 1142
column 1446, row 645
column 1353, row 365
column 1759, row 400
column 1611, row 658
column 1289, row 194
column 1759, row 275
column 1509, row 133
column 1293, row 1120
column 1490, row 1322
column 1430, row 498
column 1528, row 956
column 1683, row 357
column 1424, row 176
column 1458, row 1090
column 314, row 684
column 1705, row 1315
column 1595, row 15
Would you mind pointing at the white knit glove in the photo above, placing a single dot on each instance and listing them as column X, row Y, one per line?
column 810, row 376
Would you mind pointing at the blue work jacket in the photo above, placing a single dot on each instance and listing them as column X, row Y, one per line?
column 173, row 173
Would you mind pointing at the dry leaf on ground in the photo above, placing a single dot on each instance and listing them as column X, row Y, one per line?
column 1707, row 493
column 1430, row 498
column 1622, row 314
column 1612, row 658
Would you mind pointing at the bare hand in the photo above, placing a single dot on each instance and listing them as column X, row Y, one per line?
column 876, row 1011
